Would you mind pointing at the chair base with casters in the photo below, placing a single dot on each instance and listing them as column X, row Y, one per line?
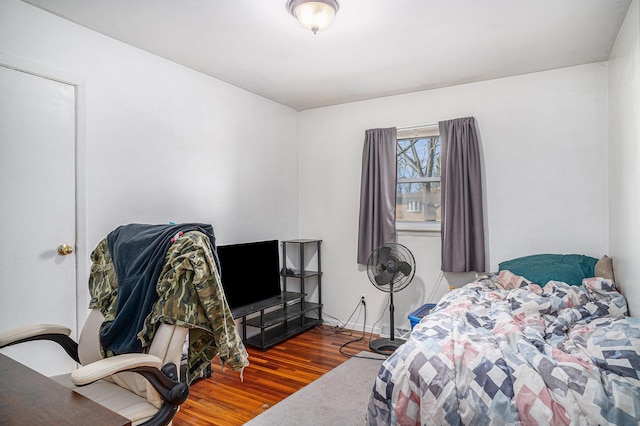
column 145, row 388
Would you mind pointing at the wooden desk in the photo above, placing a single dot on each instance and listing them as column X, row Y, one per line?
column 29, row 398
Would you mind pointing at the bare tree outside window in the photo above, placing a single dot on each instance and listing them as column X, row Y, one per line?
column 418, row 180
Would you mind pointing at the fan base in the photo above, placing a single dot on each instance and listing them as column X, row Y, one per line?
column 385, row 346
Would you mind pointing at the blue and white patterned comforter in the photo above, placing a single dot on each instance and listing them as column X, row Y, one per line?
column 504, row 351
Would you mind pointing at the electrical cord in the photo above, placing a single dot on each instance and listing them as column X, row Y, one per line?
column 340, row 329
column 384, row 311
column 362, row 304
column 435, row 287
column 337, row 320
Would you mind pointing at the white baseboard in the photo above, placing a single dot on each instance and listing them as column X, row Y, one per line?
column 383, row 331
column 354, row 327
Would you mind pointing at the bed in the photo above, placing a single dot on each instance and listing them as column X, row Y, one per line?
column 503, row 350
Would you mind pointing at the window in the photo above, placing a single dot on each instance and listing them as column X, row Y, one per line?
column 418, row 180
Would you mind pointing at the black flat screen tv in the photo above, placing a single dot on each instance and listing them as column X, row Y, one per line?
column 250, row 272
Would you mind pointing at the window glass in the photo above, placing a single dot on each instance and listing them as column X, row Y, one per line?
column 418, row 182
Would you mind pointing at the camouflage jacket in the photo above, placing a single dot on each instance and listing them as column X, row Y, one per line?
column 190, row 294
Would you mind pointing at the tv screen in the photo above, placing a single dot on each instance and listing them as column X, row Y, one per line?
column 250, row 272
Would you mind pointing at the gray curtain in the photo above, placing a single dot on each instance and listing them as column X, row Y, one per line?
column 462, row 213
column 377, row 223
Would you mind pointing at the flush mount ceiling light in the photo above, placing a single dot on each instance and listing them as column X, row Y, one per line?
column 314, row 15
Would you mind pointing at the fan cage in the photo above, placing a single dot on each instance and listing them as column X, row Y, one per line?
column 398, row 252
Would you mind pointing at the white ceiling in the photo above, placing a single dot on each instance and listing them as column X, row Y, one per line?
column 373, row 48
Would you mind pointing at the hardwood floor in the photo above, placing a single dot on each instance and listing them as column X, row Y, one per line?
column 272, row 375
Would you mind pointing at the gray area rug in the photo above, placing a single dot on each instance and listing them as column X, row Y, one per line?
column 339, row 398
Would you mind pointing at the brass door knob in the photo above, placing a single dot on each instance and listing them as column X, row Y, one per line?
column 65, row 249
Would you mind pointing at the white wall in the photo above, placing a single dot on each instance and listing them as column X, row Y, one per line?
column 624, row 164
column 544, row 144
column 167, row 143
column 164, row 142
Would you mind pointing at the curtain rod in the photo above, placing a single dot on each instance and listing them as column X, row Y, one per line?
column 417, row 126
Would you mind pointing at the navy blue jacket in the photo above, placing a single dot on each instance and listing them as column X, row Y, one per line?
column 138, row 252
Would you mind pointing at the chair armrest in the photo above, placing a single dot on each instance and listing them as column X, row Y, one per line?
column 109, row 366
column 56, row 333
column 18, row 335
column 164, row 381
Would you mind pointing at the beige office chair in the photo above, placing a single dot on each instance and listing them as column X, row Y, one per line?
column 144, row 388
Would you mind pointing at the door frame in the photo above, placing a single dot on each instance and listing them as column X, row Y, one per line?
column 81, row 252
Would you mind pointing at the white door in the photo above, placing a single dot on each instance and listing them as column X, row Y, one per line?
column 37, row 213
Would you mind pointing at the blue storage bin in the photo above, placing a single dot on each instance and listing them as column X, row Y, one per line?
column 416, row 316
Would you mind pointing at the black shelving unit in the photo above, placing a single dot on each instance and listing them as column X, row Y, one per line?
column 284, row 316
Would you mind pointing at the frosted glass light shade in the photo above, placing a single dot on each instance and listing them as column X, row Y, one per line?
column 314, row 15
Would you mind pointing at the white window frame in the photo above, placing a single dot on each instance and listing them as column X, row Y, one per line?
column 414, row 132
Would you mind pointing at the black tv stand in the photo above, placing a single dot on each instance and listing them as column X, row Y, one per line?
column 282, row 317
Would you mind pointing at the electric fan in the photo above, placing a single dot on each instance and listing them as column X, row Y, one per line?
column 390, row 268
